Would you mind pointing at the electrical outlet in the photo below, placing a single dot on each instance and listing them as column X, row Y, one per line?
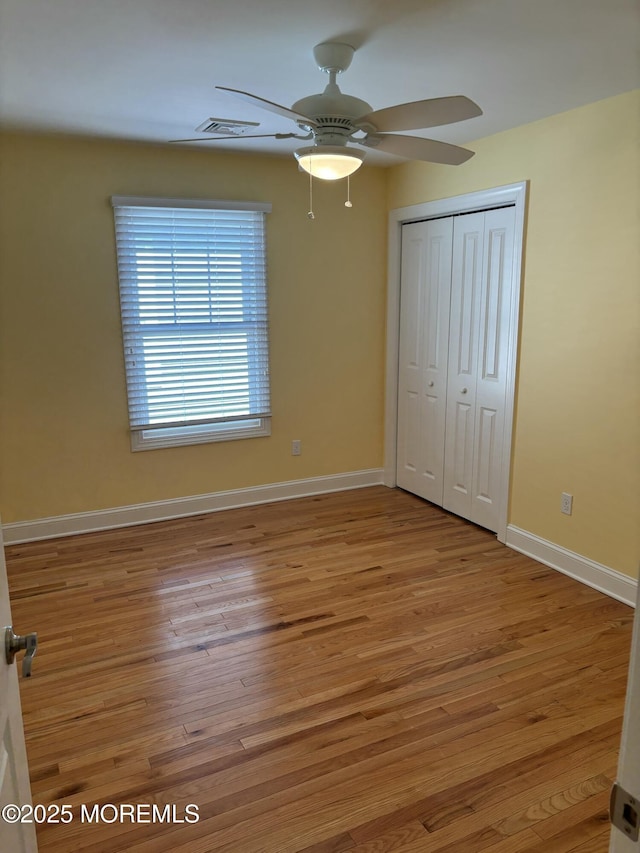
column 566, row 503
column 296, row 447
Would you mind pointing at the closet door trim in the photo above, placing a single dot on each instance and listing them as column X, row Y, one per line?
column 511, row 194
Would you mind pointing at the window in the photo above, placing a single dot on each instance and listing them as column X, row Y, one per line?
column 194, row 319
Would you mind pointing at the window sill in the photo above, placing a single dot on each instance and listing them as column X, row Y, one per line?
column 158, row 439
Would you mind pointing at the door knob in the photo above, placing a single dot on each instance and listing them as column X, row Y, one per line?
column 464, row 390
column 14, row 643
column 430, row 383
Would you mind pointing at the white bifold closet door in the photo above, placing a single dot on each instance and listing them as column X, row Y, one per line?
column 456, row 290
column 425, row 290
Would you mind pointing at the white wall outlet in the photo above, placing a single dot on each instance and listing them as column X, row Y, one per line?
column 296, row 447
column 566, row 503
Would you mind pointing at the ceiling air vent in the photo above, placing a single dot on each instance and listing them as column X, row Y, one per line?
column 227, row 126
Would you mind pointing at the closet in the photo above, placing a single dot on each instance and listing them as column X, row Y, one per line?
column 455, row 307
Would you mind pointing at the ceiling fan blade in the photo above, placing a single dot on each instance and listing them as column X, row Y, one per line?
column 268, row 105
column 419, row 114
column 417, row 148
column 240, row 136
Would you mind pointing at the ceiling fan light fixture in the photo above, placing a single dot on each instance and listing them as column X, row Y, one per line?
column 329, row 162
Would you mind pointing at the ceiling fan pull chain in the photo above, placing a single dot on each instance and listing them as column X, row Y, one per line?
column 310, row 214
column 348, row 201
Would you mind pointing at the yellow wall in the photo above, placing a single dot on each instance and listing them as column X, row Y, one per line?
column 578, row 398
column 64, row 432
column 64, row 444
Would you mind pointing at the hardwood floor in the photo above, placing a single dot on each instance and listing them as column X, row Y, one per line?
column 352, row 672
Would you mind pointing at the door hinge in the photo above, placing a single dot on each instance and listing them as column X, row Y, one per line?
column 624, row 812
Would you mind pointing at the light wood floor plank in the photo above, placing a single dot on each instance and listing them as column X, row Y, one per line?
column 350, row 673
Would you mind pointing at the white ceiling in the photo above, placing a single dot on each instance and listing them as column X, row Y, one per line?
column 146, row 69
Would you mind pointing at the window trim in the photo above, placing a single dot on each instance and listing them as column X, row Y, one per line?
column 200, row 203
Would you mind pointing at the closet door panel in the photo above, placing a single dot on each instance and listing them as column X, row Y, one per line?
column 459, row 447
column 408, row 397
column 466, row 286
column 484, row 459
column 411, row 444
column 424, row 329
column 410, row 343
column 495, row 308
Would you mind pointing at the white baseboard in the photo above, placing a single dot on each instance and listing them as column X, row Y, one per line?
column 127, row 516
column 600, row 577
column 612, row 583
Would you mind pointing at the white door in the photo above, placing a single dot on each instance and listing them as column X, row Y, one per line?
column 422, row 375
column 14, row 773
column 467, row 271
column 629, row 764
column 456, row 294
column 481, row 293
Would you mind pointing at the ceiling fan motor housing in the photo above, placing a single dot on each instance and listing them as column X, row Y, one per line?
column 334, row 114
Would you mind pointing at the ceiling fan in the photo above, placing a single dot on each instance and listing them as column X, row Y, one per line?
column 335, row 122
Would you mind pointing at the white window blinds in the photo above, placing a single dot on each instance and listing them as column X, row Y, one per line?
column 194, row 311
